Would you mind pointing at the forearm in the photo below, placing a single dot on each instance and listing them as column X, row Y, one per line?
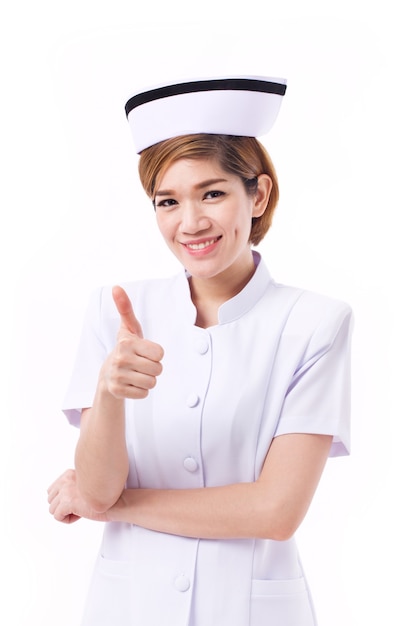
column 234, row 511
column 101, row 459
column 272, row 507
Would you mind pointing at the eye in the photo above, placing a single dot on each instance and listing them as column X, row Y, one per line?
column 167, row 203
column 213, row 194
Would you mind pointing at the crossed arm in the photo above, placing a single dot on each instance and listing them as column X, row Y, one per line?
column 271, row 507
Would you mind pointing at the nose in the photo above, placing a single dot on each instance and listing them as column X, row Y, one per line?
column 193, row 218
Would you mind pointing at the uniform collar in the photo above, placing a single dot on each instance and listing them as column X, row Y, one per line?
column 250, row 294
column 247, row 298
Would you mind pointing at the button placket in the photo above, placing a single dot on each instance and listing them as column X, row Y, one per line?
column 190, row 464
column 182, row 583
column 201, row 347
column 193, row 400
column 199, row 351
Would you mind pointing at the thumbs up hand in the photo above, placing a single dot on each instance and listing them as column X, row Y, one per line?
column 131, row 369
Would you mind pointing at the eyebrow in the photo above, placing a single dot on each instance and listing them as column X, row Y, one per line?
column 202, row 185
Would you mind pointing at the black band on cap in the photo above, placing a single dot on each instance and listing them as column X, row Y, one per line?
column 223, row 84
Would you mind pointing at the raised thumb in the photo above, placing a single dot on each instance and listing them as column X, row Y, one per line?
column 127, row 316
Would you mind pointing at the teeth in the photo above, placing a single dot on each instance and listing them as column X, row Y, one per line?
column 200, row 246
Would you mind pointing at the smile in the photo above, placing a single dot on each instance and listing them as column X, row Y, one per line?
column 201, row 244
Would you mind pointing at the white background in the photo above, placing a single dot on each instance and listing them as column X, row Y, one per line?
column 73, row 217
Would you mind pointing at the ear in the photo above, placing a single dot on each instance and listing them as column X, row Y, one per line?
column 262, row 195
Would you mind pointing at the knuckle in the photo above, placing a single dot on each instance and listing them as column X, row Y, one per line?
column 116, row 390
column 116, row 379
column 158, row 352
column 138, row 393
column 119, row 361
column 151, row 382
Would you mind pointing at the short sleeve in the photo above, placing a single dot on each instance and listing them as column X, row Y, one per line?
column 318, row 398
column 91, row 353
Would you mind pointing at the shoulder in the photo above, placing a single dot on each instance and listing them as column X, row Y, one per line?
column 311, row 313
column 149, row 300
column 145, row 293
column 141, row 293
column 314, row 309
column 303, row 309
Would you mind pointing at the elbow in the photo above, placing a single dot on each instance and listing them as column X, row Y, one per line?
column 278, row 524
column 100, row 504
column 281, row 532
column 100, row 501
column 98, row 491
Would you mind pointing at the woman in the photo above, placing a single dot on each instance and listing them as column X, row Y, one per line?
column 208, row 403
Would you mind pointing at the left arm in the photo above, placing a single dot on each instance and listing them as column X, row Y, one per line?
column 272, row 507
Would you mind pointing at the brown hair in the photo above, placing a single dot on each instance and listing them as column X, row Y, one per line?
column 242, row 156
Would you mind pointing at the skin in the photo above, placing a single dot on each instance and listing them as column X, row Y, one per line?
column 204, row 215
column 196, row 204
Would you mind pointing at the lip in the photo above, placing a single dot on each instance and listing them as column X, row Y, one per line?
column 201, row 247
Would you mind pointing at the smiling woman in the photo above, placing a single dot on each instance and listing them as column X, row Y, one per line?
column 208, row 402
column 242, row 156
column 206, row 218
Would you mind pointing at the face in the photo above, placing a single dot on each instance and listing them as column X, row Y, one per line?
column 205, row 216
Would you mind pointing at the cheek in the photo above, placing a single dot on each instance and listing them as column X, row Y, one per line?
column 164, row 226
column 243, row 223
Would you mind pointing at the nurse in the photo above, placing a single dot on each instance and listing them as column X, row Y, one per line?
column 207, row 402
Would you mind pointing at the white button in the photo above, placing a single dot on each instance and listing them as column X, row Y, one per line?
column 182, row 583
column 193, row 400
column 190, row 464
column 202, row 346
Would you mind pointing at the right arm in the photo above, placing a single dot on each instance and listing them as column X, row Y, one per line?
column 130, row 371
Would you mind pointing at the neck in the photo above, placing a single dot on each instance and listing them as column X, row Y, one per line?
column 209, row 294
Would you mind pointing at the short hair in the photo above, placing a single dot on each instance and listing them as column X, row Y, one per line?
column 245, row 157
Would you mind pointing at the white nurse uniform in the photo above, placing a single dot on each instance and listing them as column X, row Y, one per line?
column 277, row 362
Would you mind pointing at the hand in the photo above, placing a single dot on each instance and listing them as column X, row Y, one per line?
column 66, row 504
column 132, row 368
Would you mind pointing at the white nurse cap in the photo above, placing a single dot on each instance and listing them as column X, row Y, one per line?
column 246, row 106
